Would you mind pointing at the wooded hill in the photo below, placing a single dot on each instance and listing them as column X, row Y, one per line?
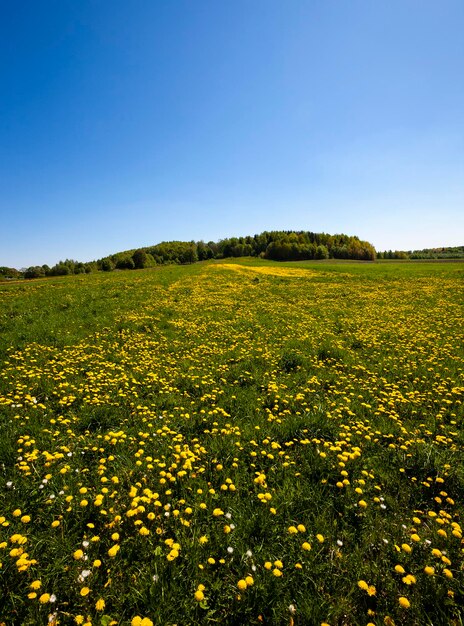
column 277, row 245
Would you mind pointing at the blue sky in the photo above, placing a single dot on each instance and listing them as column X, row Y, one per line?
column 126, row 124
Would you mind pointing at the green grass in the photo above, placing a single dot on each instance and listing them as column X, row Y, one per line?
column 234, row 401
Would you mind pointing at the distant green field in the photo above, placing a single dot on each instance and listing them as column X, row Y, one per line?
column 234, row 442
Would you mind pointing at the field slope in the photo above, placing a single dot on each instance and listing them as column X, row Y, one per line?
column 239, row 442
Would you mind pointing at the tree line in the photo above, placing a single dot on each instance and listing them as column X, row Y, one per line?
column 285, row 245
column 456, row 252
column 275, row 245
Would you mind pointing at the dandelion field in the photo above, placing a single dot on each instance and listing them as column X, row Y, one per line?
column 243, row 442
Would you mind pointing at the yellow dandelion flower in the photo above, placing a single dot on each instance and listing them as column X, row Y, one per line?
column 114, row 550
column 404, row 602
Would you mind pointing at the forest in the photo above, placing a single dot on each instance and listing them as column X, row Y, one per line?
column 274, row 245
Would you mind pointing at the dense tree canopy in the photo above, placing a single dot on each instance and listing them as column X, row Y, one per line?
column 276, row 245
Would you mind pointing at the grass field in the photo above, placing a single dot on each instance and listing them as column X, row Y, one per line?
column 240, row 442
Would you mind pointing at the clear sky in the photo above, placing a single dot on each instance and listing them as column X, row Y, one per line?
column 123, row 124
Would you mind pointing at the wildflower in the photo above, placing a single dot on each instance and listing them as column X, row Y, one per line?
column 36, row 584
column 277, row 572
column 100, row 604
column 84, row 591
column 430, row 571
column 306, row 546
column 44, row 598
column 202, row 540
column 199, row 595
column 404, row 602
column 114, row 550
column 78, row 554
column 320, row 538
column 409, row 579
column 399, row 569
column 363, row 585
column 242, row 585
column 218, row 512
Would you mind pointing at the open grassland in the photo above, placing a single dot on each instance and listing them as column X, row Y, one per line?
column 234, row 443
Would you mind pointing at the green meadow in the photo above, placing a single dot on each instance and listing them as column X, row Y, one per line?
column 234, row 442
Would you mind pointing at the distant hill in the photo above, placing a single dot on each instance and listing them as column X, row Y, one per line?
column 276, row 245
column 285, row 245
column 456, row 252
